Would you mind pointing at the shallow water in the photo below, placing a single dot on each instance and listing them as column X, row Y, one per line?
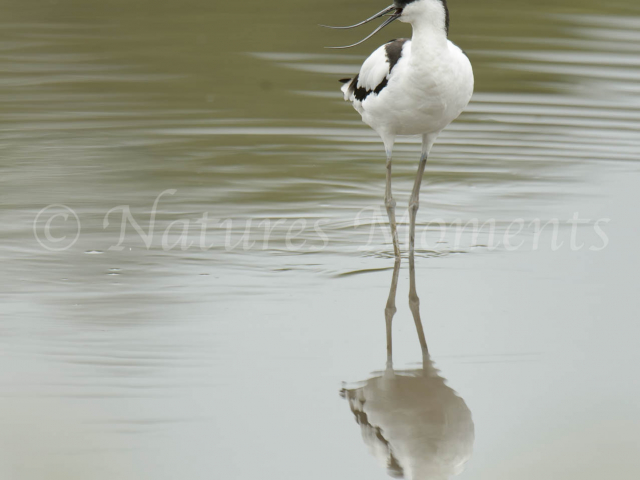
column 176, row 352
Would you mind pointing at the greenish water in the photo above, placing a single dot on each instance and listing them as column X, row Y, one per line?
column 220, row 352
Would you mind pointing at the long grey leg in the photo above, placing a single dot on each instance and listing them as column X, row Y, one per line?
column 390, row 203
column 414, row 204
column 390, row 310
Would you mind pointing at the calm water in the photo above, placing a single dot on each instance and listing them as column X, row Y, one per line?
column 210, row 336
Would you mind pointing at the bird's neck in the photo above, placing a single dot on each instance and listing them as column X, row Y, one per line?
column 429, row 38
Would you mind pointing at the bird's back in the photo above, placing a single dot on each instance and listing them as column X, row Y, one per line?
column 375, row 73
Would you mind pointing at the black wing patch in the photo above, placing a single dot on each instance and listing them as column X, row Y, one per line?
column 361, row 93
column 393, row 50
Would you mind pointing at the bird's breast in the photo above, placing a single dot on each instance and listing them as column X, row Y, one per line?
column 423, row 95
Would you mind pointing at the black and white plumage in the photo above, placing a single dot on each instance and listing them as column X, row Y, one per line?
column 375, row 72
column 413, row 86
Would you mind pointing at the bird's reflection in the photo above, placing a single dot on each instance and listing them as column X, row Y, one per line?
column 417, row 426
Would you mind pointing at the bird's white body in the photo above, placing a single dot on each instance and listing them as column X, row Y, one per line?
column 424, row 89
column 427, row 89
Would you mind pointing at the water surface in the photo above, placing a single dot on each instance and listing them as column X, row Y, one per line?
column 223, row 354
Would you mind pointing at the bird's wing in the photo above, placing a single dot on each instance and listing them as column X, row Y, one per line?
column 375, row 71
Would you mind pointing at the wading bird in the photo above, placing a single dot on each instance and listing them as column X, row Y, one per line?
column 411, row 87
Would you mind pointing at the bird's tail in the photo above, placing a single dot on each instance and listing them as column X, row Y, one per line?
column 346, row 87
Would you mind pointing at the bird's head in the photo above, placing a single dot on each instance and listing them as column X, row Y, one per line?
column 429, row 13
column 434, row 12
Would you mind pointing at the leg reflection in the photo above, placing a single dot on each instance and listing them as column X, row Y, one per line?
column 390, row 311
column 414, row 304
